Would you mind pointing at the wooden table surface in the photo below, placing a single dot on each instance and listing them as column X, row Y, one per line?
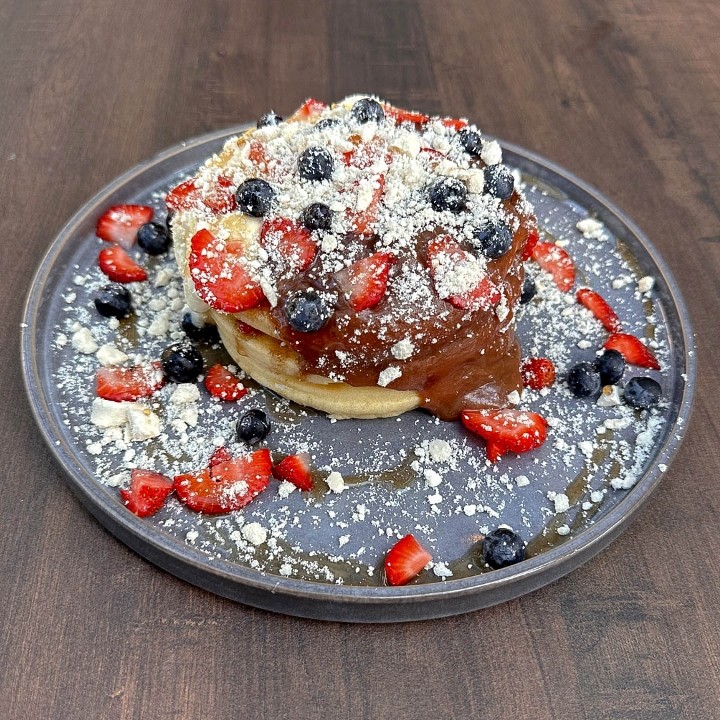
column 625, row 94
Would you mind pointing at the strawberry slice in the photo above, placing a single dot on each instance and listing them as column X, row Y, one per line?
column 632, row 350
column 227, row 486
column 367, row 154
column 363, row 222
column 221, row 199
column 450, row 267
column 119, row 223
column 147, row 493
column 365, row 281
column 219, row 276
column 295, row 469
column 119, row 266
column 506, row 430
column 555, row 261
column 533, row 238
column 397, row 115
column 293, row 242
column 600, row 308
column 454, row 123
column 222, row 384
column 119, row 383
column 309, row 110
column 220, row 455
column 537, row 372
column 406, row 558
column 183, row 197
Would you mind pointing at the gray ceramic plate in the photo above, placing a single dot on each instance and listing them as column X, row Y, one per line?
column 347, row 535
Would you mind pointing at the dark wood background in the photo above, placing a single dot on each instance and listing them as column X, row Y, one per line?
column 624, row 93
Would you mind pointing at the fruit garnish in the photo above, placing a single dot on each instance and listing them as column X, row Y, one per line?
column 153, row 238
column 600, row 308
column 537, row 372
column 113, row 301
column 499, row 181
column 454, row 123
column 219, row 455
column 502, row 547
column 309, row 110
column 363, row 221
column 253, row 426
column 293, row 242
column 632, row 350
column 119, row 266
column 642, row 392
column 308, row 310
column 448, row 193
column 295, row 469
column 221, row 198
column 365, row 281
column 184, row 196
column 400, row 116
column 147, row 493
column 222, row 384
column 554, row 260
column 181, row 362
column 533, row 238
column 583, row 380
column 506, row 430
column 367, row 110
column 610, row 365
column 119, row 223
column 405, row 560
column 120, row 383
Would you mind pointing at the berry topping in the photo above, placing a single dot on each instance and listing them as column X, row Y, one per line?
column 227, row 486
column 502, row 547
column 307, row 310
column 253, row 427
column 221, row 198
column 327, row 123
column 583, row 380
column 309, row 110
column 493, row 240
column 537, row 373
column 120, row 223
column 295, row 469
column 315, row 163
column 610, row 366
column 529, row 290
column 533, row 238
column 506, row 430
column 113, row 301
column 120, row 384
column 499, row 181
column 269, row 118
column 292, row 242
column 222, row 384
column 119, row 266
column 317, row 217
column 471, row 141
column 147, row 493
column 255, row 197
column 219, row 455
column 632, row 350
column 448, row 193
column 456, row 124
column 181, row 363
column 642, row 392
column 363, row 221
column 399, row 116
column 367, row 110
column 219, row 276
column 407, row 557
column 600, row 308
column 365, row 281
column 183, row 197
column 153, row 238
column 205, row 333
column 554, row 260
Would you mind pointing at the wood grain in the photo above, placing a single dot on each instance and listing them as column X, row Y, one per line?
column 624, row 93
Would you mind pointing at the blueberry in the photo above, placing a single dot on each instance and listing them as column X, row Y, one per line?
column 611, row 366
column 269, row 118
column 642, row 392
column 255, row 197
column 367, row 110
column 492, row 240
column 326, row 123
column 502, row 547
column 153, row 238
column 529, row 289
column 207, row 333
column 315, row 163
column 448, row 193
column 471, row 141
column 307, row 311
column 181, row 363
column 583, row 380
column 113, row 301
column 253, row 427
column 499, row 181
column 317, row 217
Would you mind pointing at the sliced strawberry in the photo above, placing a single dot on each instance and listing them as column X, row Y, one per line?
column 222, row 384
column 537, row 372
column 363, row 222
column 119, row 383
column 454, row 123
column 309, row 110
column 555, row 261
column 220, row 455
column 119, row 266
column 533, row 238
column 293, row 242
column 407, row 557
column 295, row 469
column 506, row 430
column 219, row 276
column 183, row 197
column 632, row 350
column 366, row 154
column 147, row 493
column 600, row 308
column 446, row 260
column 221, row 199
column 365, row 281
column 397, row 115
column 119, row 223
column 227, row 486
